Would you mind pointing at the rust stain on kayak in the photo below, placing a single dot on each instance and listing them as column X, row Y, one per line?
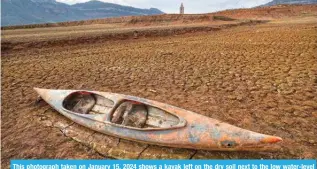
column 152, row 122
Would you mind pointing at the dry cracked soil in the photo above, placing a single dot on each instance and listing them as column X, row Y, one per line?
column 261, row 77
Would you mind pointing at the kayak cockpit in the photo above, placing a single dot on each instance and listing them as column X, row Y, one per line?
column 127, row 113
column 87, row 103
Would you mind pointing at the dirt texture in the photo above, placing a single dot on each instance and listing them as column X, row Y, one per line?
column 42, row 37
column 271, row 12
column 261, row 13
column 261, row 77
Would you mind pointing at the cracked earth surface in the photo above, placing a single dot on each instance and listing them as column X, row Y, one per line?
column 262, row 78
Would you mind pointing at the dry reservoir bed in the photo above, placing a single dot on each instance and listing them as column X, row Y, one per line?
column 262, row 78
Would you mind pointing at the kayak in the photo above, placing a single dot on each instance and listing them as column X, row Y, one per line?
column 152, row 122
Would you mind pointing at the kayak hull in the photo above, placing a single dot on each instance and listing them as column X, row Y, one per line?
column 195, row 131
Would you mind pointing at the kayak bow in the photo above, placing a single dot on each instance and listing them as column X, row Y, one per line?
column 152, row 122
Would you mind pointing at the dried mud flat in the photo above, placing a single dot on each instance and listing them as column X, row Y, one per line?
column 262, row 78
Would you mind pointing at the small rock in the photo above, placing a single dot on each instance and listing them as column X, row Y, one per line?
column 231, row 97
column 43, row 118
column 311, row 141
column 229, row 89
column 240, row 98
column 296, row 113
column 253, row 88
column 151, row 90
